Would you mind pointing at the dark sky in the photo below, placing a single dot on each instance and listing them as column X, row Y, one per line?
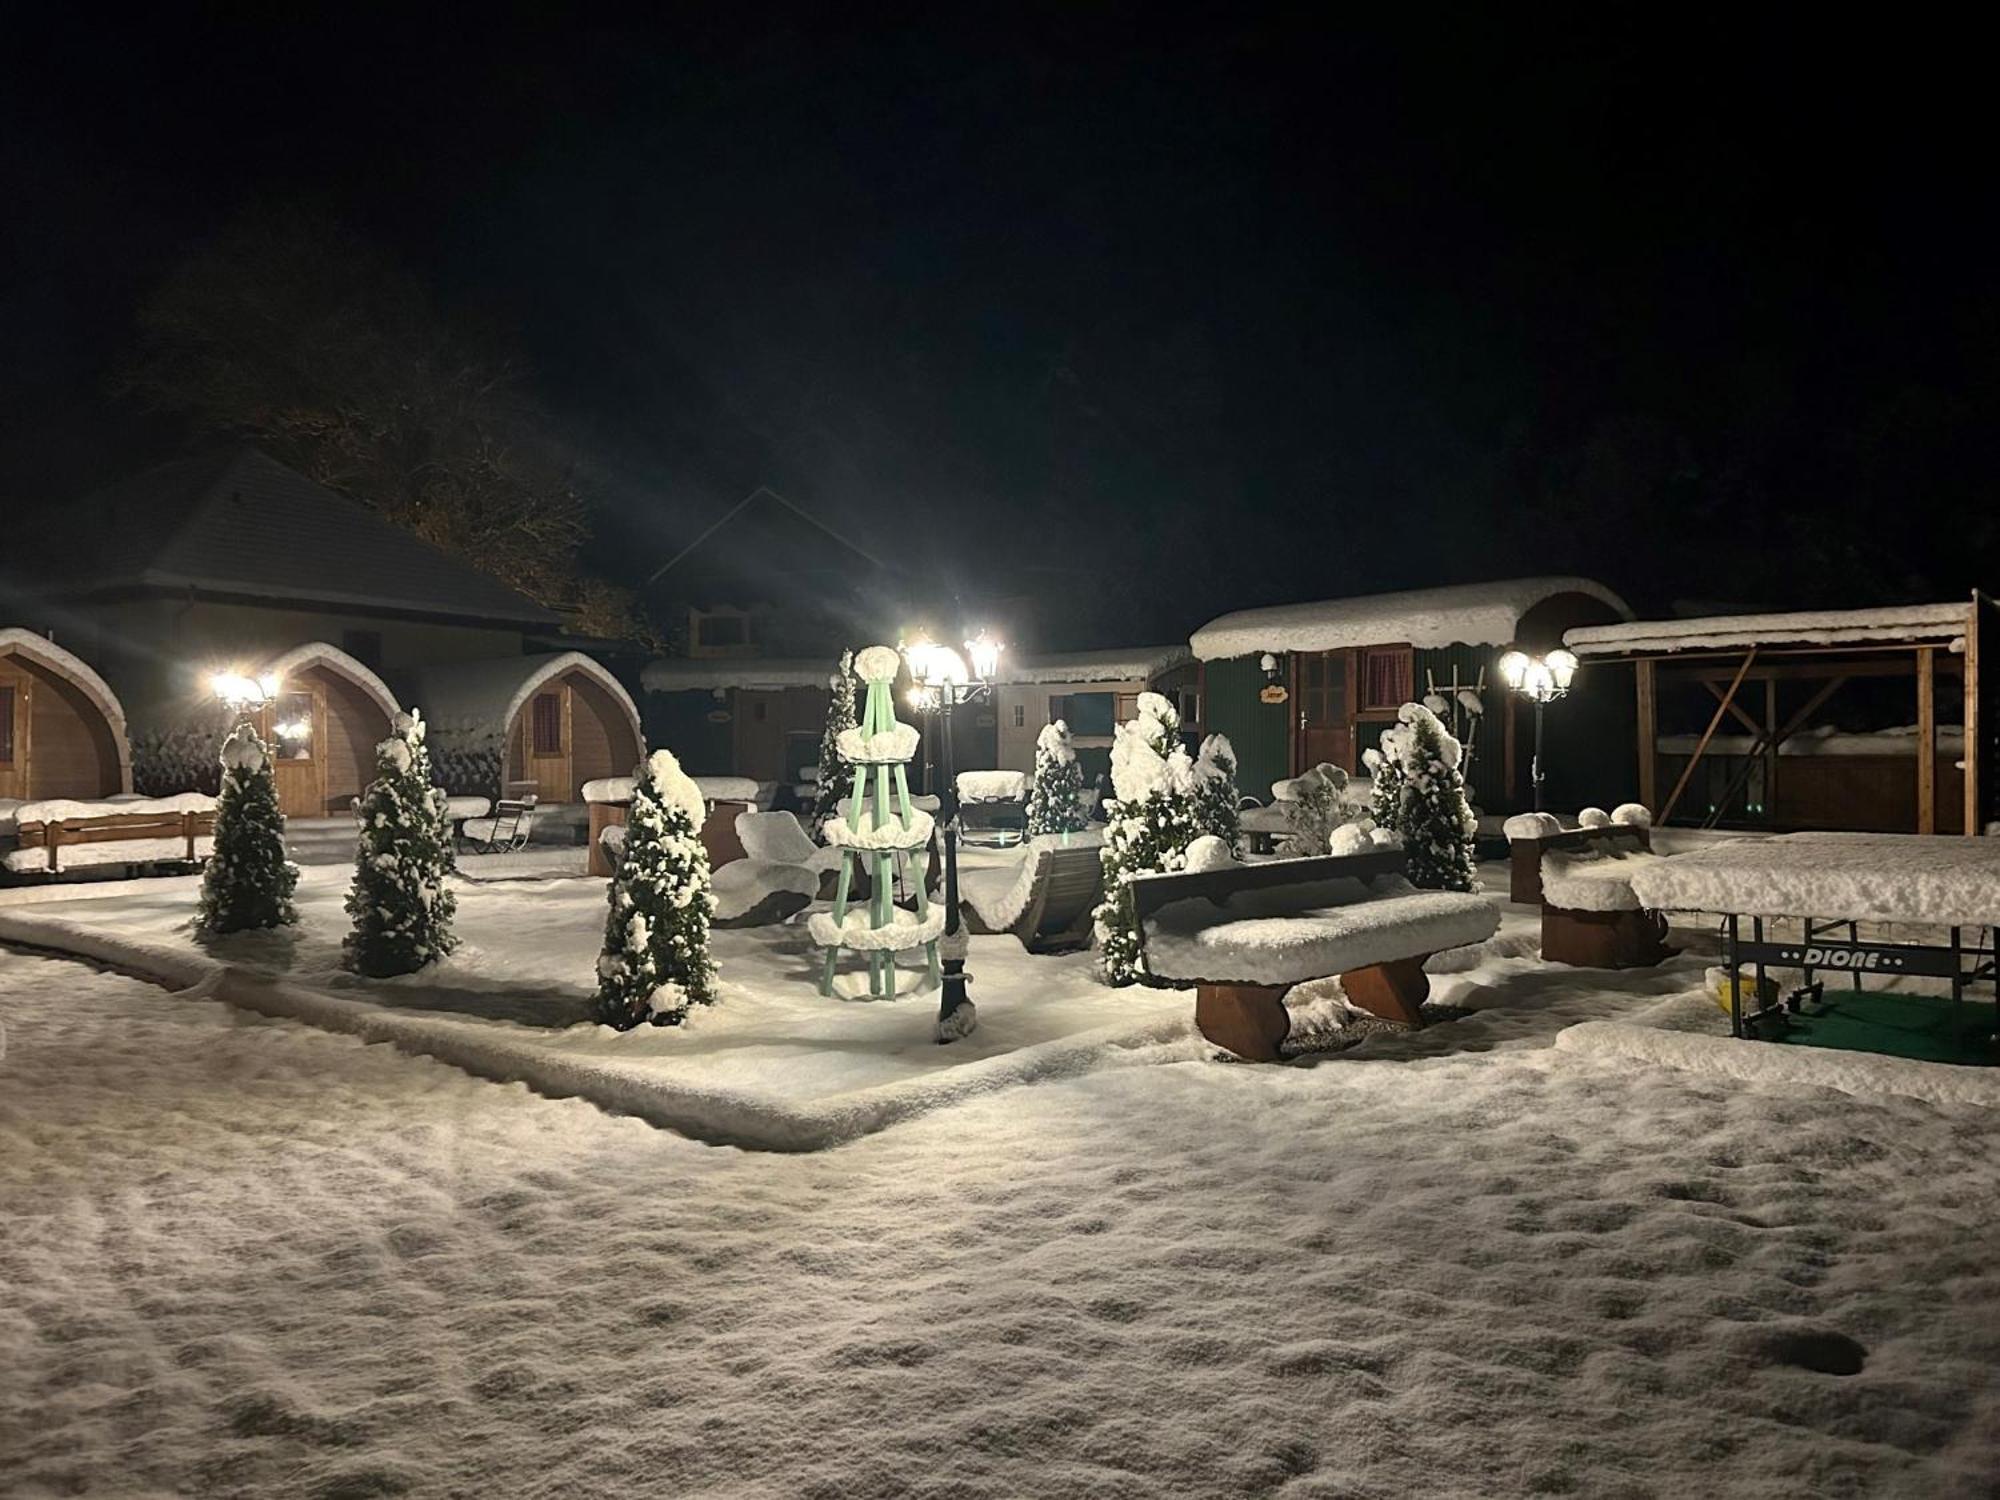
column 1152, row 317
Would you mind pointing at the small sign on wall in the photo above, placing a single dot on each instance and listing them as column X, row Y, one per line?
column 719, row 716
column 1274, row 692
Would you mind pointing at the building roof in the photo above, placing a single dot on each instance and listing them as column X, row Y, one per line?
column 38, row 648
column 680, row 674
column 1825, row 627
column 241, row 523
column 1473, row 614
column 489, row 693
column 1128, row 664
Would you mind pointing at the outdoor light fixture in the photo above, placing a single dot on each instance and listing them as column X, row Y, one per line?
column 241, row 692
column 1542, row 680
column 943, row 682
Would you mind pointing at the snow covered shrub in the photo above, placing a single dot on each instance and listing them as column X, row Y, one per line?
column 1148, row 827
column 399, row 904
column 185, row 759
column 248, row 882
column 465, row 759
column 655, row 961
column 833, row 766
column 1320, row 804
column 1431, row 814
column 1216, row 799
column 1385, row 771
column 1053, row 806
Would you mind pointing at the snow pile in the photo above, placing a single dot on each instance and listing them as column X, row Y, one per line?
column 610, row 789
column 676, row 787
column 1532, row 825
column 877, row 664
column 1593, row 817
column 1632, row 815
column 891, row 835
column 891, row 747
column 1054, row 742
column 56, row 809
column 1886, row 877
column 728, row 788
column 1592, row 879
column 855, row 932
column 1476, row 614
column 744, row 885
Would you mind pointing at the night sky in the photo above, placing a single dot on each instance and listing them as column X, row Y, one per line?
column 1148, row 316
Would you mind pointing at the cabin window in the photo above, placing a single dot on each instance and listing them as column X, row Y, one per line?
column 1128, row 707
column 1020, row 715
column 6, row 726
column 292, row 726
column 1385, row 677
column 548, row 724
column 1088, row 714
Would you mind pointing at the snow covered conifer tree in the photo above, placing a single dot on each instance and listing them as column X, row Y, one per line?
column 248, row 882
column 655, row 962
column 1385, row 770
column 1434, row 818
column 1216, row 797
column 400, row 906
column 833, row 765
column 1053, row 806
column 1149, row 825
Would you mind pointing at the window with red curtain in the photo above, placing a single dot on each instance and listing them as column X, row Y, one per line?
column 548, row 724
column 1385, row 678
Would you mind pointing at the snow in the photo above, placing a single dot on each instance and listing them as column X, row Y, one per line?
column 109, row 852
column 742, row 884
column 56, row 809
column 675, row 787
column 1054, row 743
column 1208, row 852
column 727, row 789
column 610, row 789
column 467, row 807
column 719, row 674
column 1532, row 825
column 1888, row 877
column 857, row 930
column 992, row 786
column 1824, row 739
column 1593, row 817
column 1826, row 627
column 14, row 641
column 779, row 838
column 1632, row 815
column 323, row 654
column 891, row 835
column 251, row 1258
column 1130, row 664
column 1597, row 879
column 1285, row 936
column 1475, row 614
column 894, row 746
column 999, row 893
column 878, row 663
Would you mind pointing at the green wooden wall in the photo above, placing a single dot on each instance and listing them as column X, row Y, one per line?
column 1259, row 731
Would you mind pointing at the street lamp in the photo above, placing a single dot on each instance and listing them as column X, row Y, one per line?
column 1542, row 679
column 942, row 681
column 242, row 693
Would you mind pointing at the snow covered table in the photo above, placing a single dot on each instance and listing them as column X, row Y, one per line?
column 1836, row 880
column 1582, row 878
column 1245, row 934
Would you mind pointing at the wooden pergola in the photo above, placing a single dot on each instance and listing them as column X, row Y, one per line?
column 1729, row 655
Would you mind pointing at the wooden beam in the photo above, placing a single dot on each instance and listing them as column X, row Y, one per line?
column 1736, row 710
column 1926, row 739
column 1973, row 626
column 1715, row 719
column 1649, row 734
column 1770, row 732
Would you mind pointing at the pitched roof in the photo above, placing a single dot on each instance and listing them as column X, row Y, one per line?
column 1130, row 664
column 488, row 694
column 1474, row 614
column 1824, row 627
column 240, row 522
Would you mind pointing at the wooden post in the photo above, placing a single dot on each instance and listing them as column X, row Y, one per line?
column 1701, row 745
column 1973, row 623
column 1507, row 747
column 1649, row 734
column 1770, row 737
column 1926, row 739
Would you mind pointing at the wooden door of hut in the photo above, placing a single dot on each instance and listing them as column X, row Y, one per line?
column 294, row 726
column 1325, row 733
column 547, row 741
column 16, row 688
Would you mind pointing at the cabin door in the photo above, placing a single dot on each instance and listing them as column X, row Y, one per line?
column 760, row 734
column 551, row 754
column 294, row 726
column 16, row 691
column 1324, row 716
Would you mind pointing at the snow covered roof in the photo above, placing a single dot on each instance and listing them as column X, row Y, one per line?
column 17, row 642
column 240, row 522
column 677, row 674
column 1825, row 627
column 1129, row 664
column 494, row 690
column 1473, row 614
column 321, row 654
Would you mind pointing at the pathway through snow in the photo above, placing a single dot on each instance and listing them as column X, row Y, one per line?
column 241, row 1257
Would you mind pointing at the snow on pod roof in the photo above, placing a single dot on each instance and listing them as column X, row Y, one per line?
column 1474, row 614
column 493, row 690
column 1820, row 627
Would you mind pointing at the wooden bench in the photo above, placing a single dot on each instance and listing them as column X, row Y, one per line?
column 158, row 837
column 1063, row 886
column 1245, row 934
column 507, row 828
column 1581, row 878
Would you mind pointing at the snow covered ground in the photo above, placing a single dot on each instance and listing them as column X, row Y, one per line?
column 248, row 1258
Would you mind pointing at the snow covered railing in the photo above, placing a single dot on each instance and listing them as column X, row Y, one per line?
column 57, row 835
column 1245, row 934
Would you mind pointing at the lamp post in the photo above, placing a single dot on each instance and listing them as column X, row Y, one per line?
column 942, row 681
column 1543, row 679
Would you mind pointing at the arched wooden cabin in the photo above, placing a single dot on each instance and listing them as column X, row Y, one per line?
column 323, row 723
column 62, row 729
column 554, row 722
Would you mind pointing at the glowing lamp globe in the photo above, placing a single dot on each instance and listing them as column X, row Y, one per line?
column 984, row 653
column 1513, row 668
column 1562, row 667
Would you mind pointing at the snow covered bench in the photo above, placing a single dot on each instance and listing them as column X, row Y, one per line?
column 1245, row 934
column 52, row 836
column 609, row 799
column 1581, row 878
column 1046, row 899
column 781, row 872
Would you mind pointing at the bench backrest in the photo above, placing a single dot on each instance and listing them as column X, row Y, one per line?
column 1151, row 892
column 1072, row 885
column 104, row 828
column 1524, row 872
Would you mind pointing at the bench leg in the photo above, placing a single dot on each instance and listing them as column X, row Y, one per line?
column 1603, row 939
column 1247, row 1019
column 1394, row 991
